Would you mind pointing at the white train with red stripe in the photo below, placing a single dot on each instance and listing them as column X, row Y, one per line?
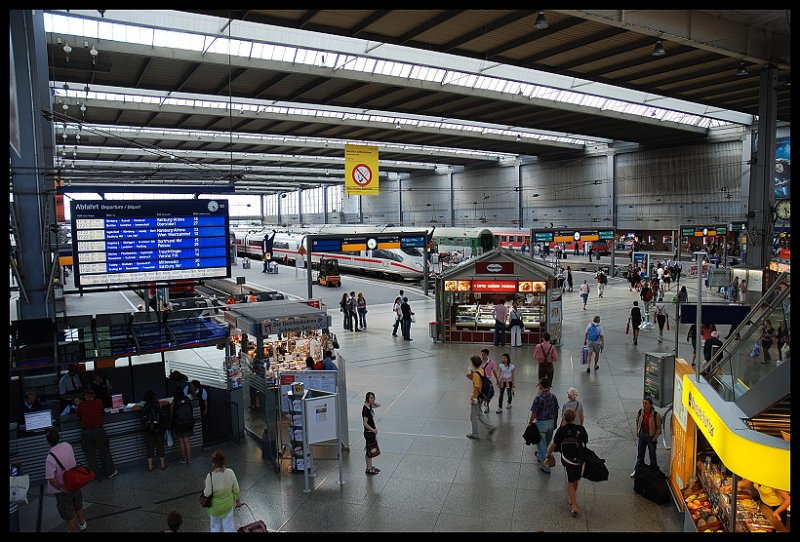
column 398, row 264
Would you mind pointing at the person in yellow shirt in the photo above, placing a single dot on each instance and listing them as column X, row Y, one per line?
column 777, row 499
column 476, row 410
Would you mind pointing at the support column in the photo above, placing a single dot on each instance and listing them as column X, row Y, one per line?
column 520, row 210
column 31, row 189
column 760, row 222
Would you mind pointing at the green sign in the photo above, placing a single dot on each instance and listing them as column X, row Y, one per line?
column 543, row 237
column 605, row 235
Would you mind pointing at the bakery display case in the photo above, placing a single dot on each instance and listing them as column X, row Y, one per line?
column 533, row 317
column 485, row 318
column 465, row 315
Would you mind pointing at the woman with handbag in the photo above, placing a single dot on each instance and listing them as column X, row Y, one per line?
column 361, row 307
column 515, row 322
column 223, row 488
column 370, row 432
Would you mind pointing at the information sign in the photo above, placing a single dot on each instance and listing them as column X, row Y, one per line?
column 149, row 241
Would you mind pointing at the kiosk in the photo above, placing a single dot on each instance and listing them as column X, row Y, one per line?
column 466, row 294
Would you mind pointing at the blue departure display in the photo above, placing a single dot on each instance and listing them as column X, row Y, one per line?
column 149, row 241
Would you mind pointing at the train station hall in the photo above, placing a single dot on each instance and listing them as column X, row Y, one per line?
column 403, row 270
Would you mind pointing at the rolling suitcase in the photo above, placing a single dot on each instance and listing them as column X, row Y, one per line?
column 255, row 526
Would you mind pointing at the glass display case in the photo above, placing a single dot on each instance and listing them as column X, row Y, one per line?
column 485, row 317
column 533, row 317
column 465, row 315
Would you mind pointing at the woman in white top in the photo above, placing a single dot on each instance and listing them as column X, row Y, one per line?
column 506, row 382
column 515, row 322
column 398, row 314
column 574, row 404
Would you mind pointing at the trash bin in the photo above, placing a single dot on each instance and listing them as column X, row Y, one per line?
column 433, row 331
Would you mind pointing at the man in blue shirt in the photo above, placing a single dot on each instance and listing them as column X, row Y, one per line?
column 327, row 362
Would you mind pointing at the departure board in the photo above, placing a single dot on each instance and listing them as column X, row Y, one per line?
column 115, row 242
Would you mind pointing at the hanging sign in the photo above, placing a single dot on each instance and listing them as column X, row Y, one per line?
column 361, row 170
column 494, row 268
column 502, row 286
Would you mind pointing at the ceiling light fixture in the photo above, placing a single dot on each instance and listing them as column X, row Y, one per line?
column 658, row 50
column 742, row 71
column 94, row 54
column 541, row 23
column 83, row 107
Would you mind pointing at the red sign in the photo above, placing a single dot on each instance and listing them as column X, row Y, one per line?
column 494, row 268
column 503, row 286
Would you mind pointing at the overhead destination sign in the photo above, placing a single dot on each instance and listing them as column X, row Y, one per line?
column 703, row 231
column 149, row 241
column 569, row 235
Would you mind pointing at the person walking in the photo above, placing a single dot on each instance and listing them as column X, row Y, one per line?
column 361, row 307
column 584, row 291
column 222, row 485
column 569, row 278
column 93, row 436
column 370, row 431
column 500, row 313
column 648, row 428
column 712, row 346
column 683, row 298
column 515, row 323
column 405, row 324
column 574, row 405
column 661, row 318
column 195, row 390
column 490, row 370
column 60, row 459
column 352, row 310
column 182, row 423
column 545, row 355
column 569, row 439
column 692, row 337
column 345, row 312
column 544, row 412
column 398, row 314
column 102, row 387
column 477, row 415
column 635, row 320
column 601, row 279
column 505, row 381
column 594, row 338
column 767, row 338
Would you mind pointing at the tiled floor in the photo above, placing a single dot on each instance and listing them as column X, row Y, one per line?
column 432, row 478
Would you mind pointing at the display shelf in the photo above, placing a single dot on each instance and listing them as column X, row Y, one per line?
column 532, row 316
column 296, row 432
column 485, row 316
column 465, row 316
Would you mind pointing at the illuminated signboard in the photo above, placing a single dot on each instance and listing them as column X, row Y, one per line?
column 703, row 231
column 358, row 243
column 149, row 241
column 457, row 286
column 503, row 286
column 494, row 268
column 780, row 267
column 737, row 226
column 527, row 287
column 568, row 236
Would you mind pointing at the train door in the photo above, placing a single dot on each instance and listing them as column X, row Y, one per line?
column 486, row 242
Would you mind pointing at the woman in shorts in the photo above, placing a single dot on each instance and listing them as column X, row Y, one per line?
column 370, row 431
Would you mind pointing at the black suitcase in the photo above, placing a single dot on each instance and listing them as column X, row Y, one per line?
column 651, row 483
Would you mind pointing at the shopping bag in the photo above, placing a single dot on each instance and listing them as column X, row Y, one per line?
column 628, row 327
column 255, row 526
column 18, row 486
column 168, row 438
column 756, row 351
column 413, row 319
column 585, row 355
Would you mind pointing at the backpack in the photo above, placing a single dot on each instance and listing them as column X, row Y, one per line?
column 184, row 416
column 594, row 333
column 571, row 450
column 647, row 295
column 543, row 356
column 155, row 421
column 487, row 388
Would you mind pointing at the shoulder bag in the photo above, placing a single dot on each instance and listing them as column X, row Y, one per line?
column 18, row 486
column 335, row 341
column 205, row 501
column 76, row 477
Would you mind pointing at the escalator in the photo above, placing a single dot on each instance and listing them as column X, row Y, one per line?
column 758, row 384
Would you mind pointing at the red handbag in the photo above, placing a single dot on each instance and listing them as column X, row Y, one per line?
column 76, row 477
column 255, row 526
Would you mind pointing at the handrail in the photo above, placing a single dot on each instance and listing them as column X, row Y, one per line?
column 773, row 297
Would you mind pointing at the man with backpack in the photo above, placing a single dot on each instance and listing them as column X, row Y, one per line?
column 596, row 341
column 482, row 391
column 570, row 440
column 183, row 423
column 545, row 354
column 156, row 424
